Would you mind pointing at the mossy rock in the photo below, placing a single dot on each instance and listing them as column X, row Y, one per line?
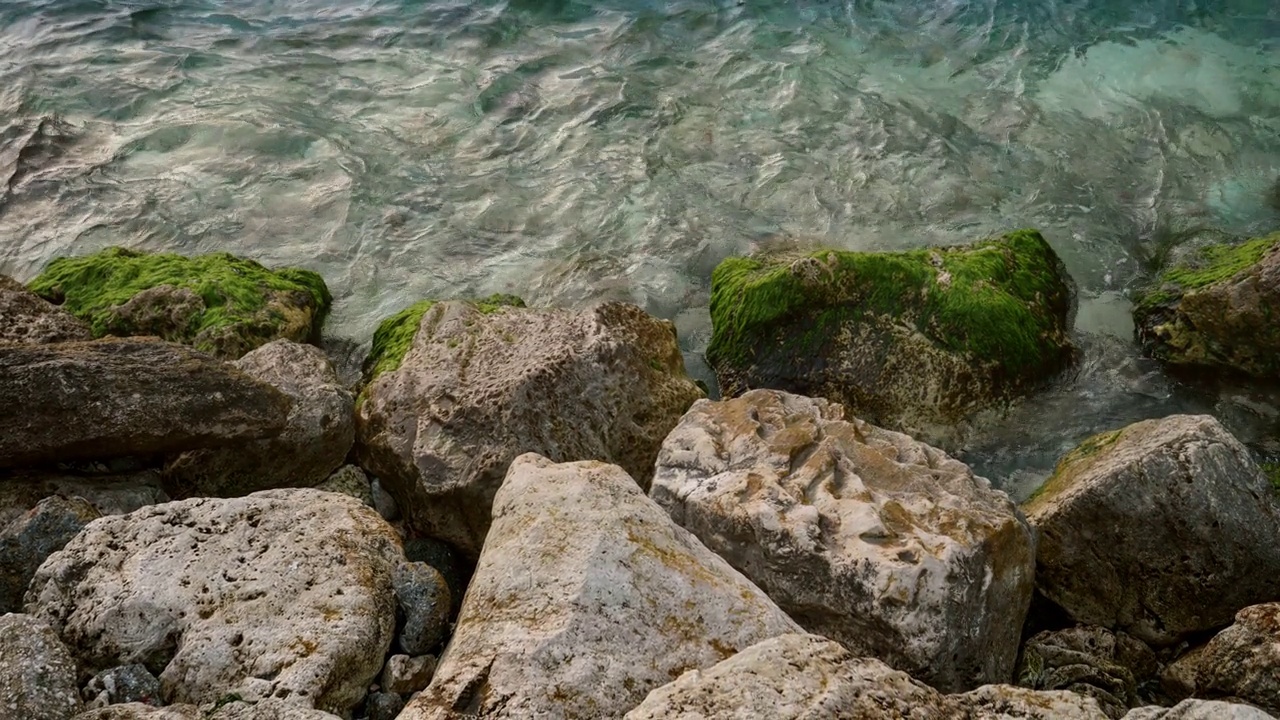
column 394, row 336
column 218, row 303
column 910, row 340
column 1216, row 306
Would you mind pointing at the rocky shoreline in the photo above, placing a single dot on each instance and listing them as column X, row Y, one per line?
column 522, row 512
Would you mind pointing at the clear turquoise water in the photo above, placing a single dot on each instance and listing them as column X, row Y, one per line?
column 573, row 151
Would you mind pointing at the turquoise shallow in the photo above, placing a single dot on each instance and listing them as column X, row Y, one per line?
column 571, row 151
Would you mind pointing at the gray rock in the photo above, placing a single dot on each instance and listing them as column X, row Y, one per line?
column 1200, row 710
column 123, row 684
column 141, row 711
column 1008, row 702
column 423, row 598
column 440, row 556
column 587, row 597
column 165, row 311
column 28, row 318
column 1092, row 661
column 282, row 593
column 111, row 398
column 109, row 494
column 268, row 709
column 383, row 706
column 1163, row 530
column 37, row 673
column 383, row 502
column 28, row 540
column 866, row 536
column 478, row 388
column 1241, row 662
column 349, row 480
column 316, row 438
column 404, row 675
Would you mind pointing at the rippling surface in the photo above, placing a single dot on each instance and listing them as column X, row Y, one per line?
column 573, row 151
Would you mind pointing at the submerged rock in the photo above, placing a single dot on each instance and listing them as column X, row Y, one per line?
column 912, row 341
column 1163, row 530
column 1214, row 307
column 28, row 541
column 1091, row 661
column 460, row 389
column 586, row 597
column 37, row 673
column 219, row 303
column 28, row 318
column 1241, row 662
column 863, row 535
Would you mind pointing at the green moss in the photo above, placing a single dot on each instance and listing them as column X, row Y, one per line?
column 1209, row 265
column 234, row 290
column 1272, row 470
column 991, row 300
column 1090, row 447
column 394, row 336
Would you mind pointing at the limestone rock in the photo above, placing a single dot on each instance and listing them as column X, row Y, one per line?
column 27, row 541
column 404, row 675
column 109, row 494
column 461, row 389
column 269, row 709
column 1090, row 661
column 1242, row 661
column 422, row 596
column 111, row 398
column 349, row 480
column 37, row 673
column 27, row 318
column 317, row 436
column 1200, row 710
column 142, row 711
column 1007, row 702
column 1163, row 529
column 863, row 535
column 122, row 685
column 587, row 597
column 282, row 593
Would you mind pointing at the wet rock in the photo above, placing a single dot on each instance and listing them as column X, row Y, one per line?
column 1163, row 530
column 316, row 439
column 1200, row 710
column 37, row 673
column 28, row 318
column 27, row 541
column 1241, row 662
column 423, row 598
column 460, row 389
column 913, row 341
column 282, row 593
column 109, row 494
column 349, row 480
column 587, row 597
column 1092, row 661
column 113, row 398
column 1007, row 702
column 863, row 535
column 404, row 675
column 123, row 684
column 383, row 706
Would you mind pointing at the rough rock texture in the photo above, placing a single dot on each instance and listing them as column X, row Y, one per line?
column 587, row 597
column 1214, row 307
column 37, row 674
column 404, row 674
column 123, row 684
column 440, row 556
column 142, row 711
column 110, row 494
column 28, row 318
column 1163, row 529
column 1200, row 710
column 912, row 341
column 478, row 386
column 383, row 706
column 27, row 541
column 865, row 536
column 125, row 397
column 1092, row 661
column 284, row 592
column 1241, row 662
column 316, row 439
column 349, row 480
column 794, row 677
column 269, row 709
column 1007, row 702
column 422, row 596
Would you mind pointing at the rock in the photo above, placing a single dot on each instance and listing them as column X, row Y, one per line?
column 112, row 398
column 1213, row 309
column 123, row 684
column 383, row 502
column 141, row 711
column 865, row 536
column 1092, row 661
column 316, row 439
column 37, row 673
column 460, row 389
column 282, row 593
column 404, row 675
column 913, row 341
column 587, row 597
column 28, row 318
column 218, row 303
column 1007, row 702
column 383, row 706
column 795, row 677
column 1241, row 662
column 349, row 480
column 269, row 709
column 423, row 598
column 26, row 542
column 109, row 494
column 1200, row 710
column 1163, row 530
column 441, row 557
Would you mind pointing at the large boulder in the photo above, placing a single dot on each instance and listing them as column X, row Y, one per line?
column 28, row 318
column 284, row 593
column 219, row 303
column 1092, row 661
column 587, row 597
column 1008, row 702
column 28, row 540
column 1214, row 307
column 1163, row 529
column 37, row 673
column 1200, row 710
column 862, row 535
column 317, row 436
column 460, row 389
column 111, row 398
column 1242, row 661
column 912, row 341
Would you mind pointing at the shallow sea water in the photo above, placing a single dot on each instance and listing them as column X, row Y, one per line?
column 576, row 151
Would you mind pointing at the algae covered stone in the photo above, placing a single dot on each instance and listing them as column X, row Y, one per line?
column 219, row 303
column 1215, row 307
column 909, row 341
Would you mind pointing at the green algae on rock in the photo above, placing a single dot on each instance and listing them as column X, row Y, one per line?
column 395, row 334
column 908, row 340
column 1216, row 307
column 217, row 302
